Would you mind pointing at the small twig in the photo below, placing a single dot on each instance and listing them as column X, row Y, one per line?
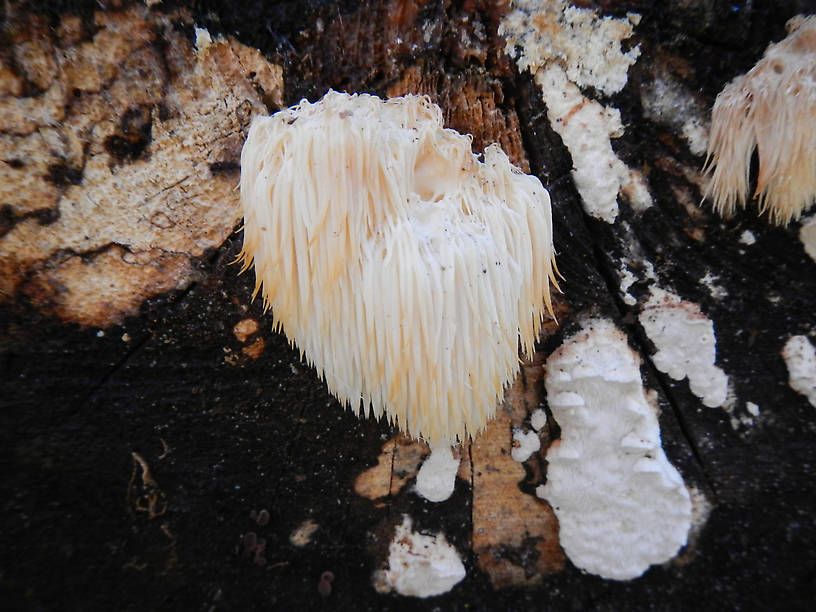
column 152, row 501
column 147, row 478
column 165, row 451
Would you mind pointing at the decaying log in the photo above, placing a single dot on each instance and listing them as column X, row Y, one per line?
column 162, row 447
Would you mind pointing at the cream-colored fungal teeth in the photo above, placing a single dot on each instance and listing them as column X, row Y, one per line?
column 406, row 270
column 772, row 109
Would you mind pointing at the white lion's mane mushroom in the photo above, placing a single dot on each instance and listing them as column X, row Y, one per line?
column 405, row 270
column 771, row 108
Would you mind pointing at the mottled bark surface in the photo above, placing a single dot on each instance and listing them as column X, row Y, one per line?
column 149, row 412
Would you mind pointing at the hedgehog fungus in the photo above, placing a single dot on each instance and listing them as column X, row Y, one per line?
column 406, row 270
column 771, row 108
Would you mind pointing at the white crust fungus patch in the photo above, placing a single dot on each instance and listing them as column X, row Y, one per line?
column 800, row 358
column 525, row 443
column 586, row 128
column 419, row 565
column 747, row 419
column 436, row 479
column 627, row 278
column 747, row 237
column 587, row 47
column 771, row 108
column 668, row 101
column 686, row 345
column 621, row 505
column 711, row 282
column 636, row 190
column 695, row 133
column 202, row 39
column 566, row 48
column 538, row 419
column 406, row 270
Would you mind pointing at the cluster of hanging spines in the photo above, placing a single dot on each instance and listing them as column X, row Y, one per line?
column 772, row 109
column 404, row 269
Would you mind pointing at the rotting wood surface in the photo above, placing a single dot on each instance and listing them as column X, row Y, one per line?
column 135, row 453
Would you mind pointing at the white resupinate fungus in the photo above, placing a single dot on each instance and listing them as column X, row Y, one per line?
column 800, row 358
column 405, row 269
column 771, row 108
column 621, row 505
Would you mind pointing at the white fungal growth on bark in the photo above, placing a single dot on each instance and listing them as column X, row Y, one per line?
column 586, row 45
column 538, row 419
column 621, row 505
column 800, row 358
column 525, row 443
column 771, row 108
column 419, row 565
column 404, row 269
column 565, row 48
column 586, row 127
column 686, row 345
column 203, row 39
column 436, row 479
column 807, row 234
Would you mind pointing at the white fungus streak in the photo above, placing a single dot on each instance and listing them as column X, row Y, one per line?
column 627, row 279
column 800, row 359
column 586, row 128
column 538, row 419
column 436, row 479
column 744, row 420
column 668, row 101
column 747, row 237
column 525, row 443
column 621, row 505
column 406, row 270
column 566, row 48
column 586, row 46
column 686, row 345
column 711, row 282
column 420, row 565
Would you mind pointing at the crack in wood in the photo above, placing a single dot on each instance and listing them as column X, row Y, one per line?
column 636, row 337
